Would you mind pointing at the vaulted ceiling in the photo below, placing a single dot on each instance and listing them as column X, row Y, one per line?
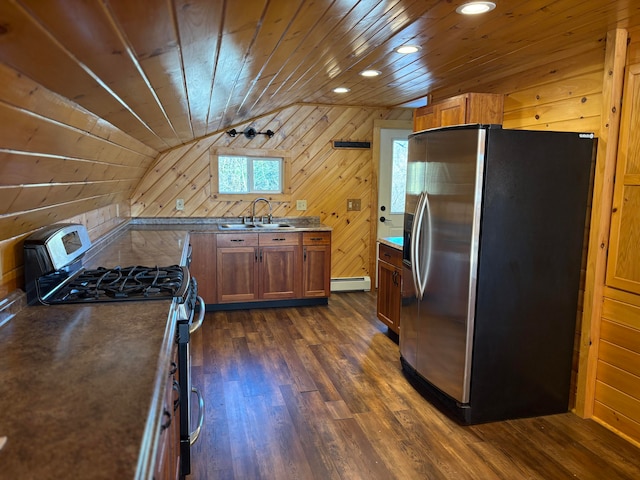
column 169, row 71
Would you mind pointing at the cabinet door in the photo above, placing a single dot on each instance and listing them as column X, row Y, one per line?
column 237, row 274
column 452, row 111
column 424, row 118
column 279, row 272
column 203, row 267
column 168, row 451
column 623, row 266
column 389, row 295
column 316, row 271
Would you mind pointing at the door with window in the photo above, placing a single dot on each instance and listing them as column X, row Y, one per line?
column 391, row 183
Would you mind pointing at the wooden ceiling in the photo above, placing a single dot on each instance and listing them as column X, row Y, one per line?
column 169, row 71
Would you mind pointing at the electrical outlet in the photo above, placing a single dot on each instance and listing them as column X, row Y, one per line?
column 180, row 204
column 301, row 204
column 353, row 204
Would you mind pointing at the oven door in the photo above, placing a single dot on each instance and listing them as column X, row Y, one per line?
column 187, row 391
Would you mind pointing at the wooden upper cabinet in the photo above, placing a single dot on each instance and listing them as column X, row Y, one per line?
column 467, row 108
column 623, row 265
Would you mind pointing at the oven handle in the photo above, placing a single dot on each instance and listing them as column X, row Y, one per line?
column 197, row 324
column 193, row 436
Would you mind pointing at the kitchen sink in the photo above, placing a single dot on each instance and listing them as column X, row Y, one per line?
column 236, row 226
column 273, row 225
column 246, row 226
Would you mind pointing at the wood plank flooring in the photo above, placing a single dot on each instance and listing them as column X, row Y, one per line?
column 318, row 393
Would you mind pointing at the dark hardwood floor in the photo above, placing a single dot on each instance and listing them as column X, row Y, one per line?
column 318, row 393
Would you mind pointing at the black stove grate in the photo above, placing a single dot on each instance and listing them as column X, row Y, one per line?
column 120, row 284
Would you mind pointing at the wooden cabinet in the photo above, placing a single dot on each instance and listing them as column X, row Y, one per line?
column 167, row 466
column 389, row 286
column 257, row 266
column 316, row 264
column 238, row 267
column 459, row 110
column 623, row 261
column 203, row 268
column 278, row 266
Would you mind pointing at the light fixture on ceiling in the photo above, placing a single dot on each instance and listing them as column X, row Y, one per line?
column 474, row 8
column 250, row 133
column 341, row 90
column 370, row 73
column 404, row 49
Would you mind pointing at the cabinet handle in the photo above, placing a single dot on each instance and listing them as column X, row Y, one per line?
column 278, row 239
column 237, row 239
column 395, row 278
column 386, row 255
column 316, row 239
column 304, row 254
column 260, row 256
column 167, row 423
column 174, row 368
column 176, row 401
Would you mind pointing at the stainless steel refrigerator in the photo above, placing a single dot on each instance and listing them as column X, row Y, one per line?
column 493, row 245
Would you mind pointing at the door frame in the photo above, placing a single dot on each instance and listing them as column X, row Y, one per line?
column 373, row 232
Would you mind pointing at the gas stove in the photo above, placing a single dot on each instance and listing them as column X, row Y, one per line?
column 54, row 273
column 114, row 284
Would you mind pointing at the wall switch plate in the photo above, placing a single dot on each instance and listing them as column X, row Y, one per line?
column 353, row 205
column 301, row 204
column 180, row 204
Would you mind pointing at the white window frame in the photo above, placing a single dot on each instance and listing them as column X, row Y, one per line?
column 257, row 153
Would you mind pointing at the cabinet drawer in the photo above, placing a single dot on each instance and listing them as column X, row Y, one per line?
column 390, row 255
column 278, row 238
column 316, row 238
column 237, row 240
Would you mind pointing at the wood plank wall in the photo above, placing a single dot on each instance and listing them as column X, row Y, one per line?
column 323, row 176
column 562, row 96
column 57, row 161
column 617, row 390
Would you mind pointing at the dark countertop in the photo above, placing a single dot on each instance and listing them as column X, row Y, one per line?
column 205, row 224
column 82, row 385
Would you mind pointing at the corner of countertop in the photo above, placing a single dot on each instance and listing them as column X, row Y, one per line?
column 393, row 242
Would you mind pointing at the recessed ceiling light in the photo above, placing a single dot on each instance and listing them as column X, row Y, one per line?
column 474, row 8
column 404, row 49
column 341, row 90
column 370, row 73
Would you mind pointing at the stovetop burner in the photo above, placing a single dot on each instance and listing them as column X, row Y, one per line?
column 119, row 284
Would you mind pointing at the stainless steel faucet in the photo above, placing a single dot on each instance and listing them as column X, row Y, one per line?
column 253, row 209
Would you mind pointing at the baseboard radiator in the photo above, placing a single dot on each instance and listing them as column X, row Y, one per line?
column 351, row 284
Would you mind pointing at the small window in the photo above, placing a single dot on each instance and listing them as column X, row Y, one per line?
column 400, row 148
column 242, row 174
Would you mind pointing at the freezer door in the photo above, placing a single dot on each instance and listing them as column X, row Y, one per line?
column 453, row 187
column 409, row 312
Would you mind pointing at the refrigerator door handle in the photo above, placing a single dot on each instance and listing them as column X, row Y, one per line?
column 415, row 245
column 426, row 209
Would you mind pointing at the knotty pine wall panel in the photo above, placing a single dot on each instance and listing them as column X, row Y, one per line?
column 324, row 176
column 617, row 393
column 58, row 162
